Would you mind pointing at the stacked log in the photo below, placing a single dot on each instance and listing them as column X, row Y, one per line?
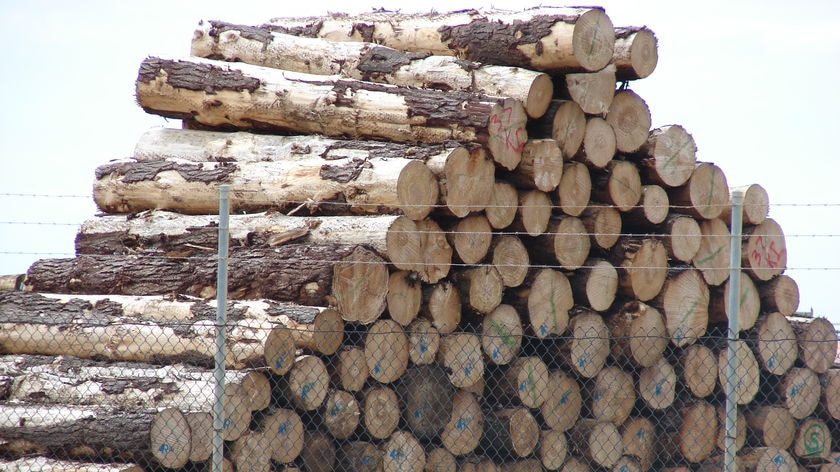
column 455, row 244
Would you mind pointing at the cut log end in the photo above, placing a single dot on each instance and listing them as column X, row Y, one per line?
column 360, row 286
column 593, row 40
column 636, row 53
column 507, row 133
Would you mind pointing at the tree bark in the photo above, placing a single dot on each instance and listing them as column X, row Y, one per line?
column 704, row 195
column 668, row 156
column 243, row 96
column 564, row 122
column 629, row 116
column 541, row 166
column 635, row 55
column 593, row 91
column 261, row 46
column 817, row 342
column 551, row 39
column 49, row 464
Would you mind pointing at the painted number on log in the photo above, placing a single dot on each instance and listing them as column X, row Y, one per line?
column 766, row 254
column 511, row 133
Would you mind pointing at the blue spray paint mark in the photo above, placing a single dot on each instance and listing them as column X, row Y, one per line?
column 282, row 427
column 395, row 454
column 227, row 424
column 462, row 423
column 165, row 448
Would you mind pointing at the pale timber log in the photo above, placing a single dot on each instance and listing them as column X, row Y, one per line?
column 98, row 432
column 510, row 257
column 501, row 334
column 740, row 428
column 746, row 377
column 629, row 116
column 781, row 294
column 698, row 368
column 423, row 342
column 638, row 436
column 420, row 246
column 589, row 345
column 595, row 284
column 764, row 252
column 637, row 334
column 49, row 464
column 405, row 295
column 657, row 384
column 319, row 455
column 462, row 433
column 380, row 411
column 651, row 210
column 564, row 122
column 565, row 242
column 817, row 341
column 598, row 145
column 461, row 354
column 612, row 396
column 439, row 459
column 474, row 463
column 403, row 453
column 681, row 236
column 593, row 91
column 524, row 382
column 541, row 166
column 306, row 385
column 544, row 38
column 575, row 189
column 704, row 195
column 563, row 402
column 522, row 465
column 251, row 452
column 261, row 46
column 425, row 400
column 770, row 459
column 771, row 426
column 576, row 464
column 829, row 406
column 800, row 391
column 243, row 96
column 470, row 237
column 546, row 298
column 348, row 368
column 684, row 300
column 690, row 432
column 756, row 205
column 283, row 430
column 481, row 288
column 552, row 449
column 510, row 433
column 627, row 463
column 597, row 441
column 87, row 330
column 636, row 53
column 359, row 456
column 712, row 259
column 386, row 350
column 642, row 265
column 775, row 343
column 603, row 224
column 532, row 213
column 667, row 157
column 501, row 210
column 442, row 306
column 459, row 182
column 813, row 441
column 749, row 303
column 618, row 183
column 340, row 414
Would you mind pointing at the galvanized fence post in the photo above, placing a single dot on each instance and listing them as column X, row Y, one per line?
column 733, row 307
column 221, row 320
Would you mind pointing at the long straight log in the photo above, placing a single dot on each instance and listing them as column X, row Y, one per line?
column 261, row 46
column 49, row 464
column 551, row 39
column 243, row 96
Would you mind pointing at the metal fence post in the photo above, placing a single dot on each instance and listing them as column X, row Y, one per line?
column 733, row 306
column 221, row 320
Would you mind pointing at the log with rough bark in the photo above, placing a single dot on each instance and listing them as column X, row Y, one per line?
column 541, row 166
column 563, row 402
column 774, row 459
column 629, row 116
column 698, row 369
column 380, row 411
column 564, row 122
column 681, row 236
column 470, row 237
column 442, row 306
column 598, row 441
column 261, row 46
column 642, row 265
column 459, row 182
column 684, row 300
column 689, row 432
column 617, row 184
column 510, row 257
column 704, row 195
column 771, row 426
column 386, row 350
column 781, row 294
column 813, row 441
column 612, row 396
column 595, row 284
column 636, row 53
column 657, row 384
column 243, row 96
column 501, row 334
column 637, row 334
column 420, row 246
column 403, row 453
column 71, row 430
column 589, row 345
column 546, row 298
column 638, row 436
column 593, row 91
column 509, row 433
column 775, row 343
column 426, row 400
column 575, row 189
column 712, row 258
column 746, row 371
column 764, row 252
column 749, row 303
column 651, row 210
column 543, row 38
column 668, row 156
column 461, row 354
column 817, row 341
column 565, row 242
column 532, row 213
column 465, row 427
column 603, row 224
column 756, row 205
column 49, row 464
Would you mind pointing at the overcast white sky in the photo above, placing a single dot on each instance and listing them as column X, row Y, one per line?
column 755, row 82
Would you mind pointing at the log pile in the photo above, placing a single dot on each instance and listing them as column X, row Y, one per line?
column 457, row 243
